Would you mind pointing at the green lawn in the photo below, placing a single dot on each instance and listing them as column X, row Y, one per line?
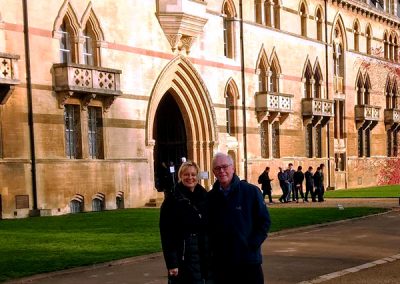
column 377, row 191
column 41, row 244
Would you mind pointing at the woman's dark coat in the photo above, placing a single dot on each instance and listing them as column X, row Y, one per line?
column 182, row 230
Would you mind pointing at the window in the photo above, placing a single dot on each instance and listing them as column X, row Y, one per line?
column 356, row 31
column 258, row 6
column 275, row 140
column 368, row 36
column 230, row 115
column 263, row 77
column 87, row 48
column 95, row 132
column 386, row 46
column 228, row 29
column 318, row 19
column 339, row 119
column 317, row 84
column 264, row 134
column 65, row 47
column 309, row 140
column 273, row 80
column 364, row 142
column 313, row 135
column 72, row 131
column 303, row 19
column 308, row 82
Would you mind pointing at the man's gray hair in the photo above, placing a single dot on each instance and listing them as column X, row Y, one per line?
column 222, row 155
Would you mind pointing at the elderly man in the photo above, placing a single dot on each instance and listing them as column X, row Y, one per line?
column 238, row 224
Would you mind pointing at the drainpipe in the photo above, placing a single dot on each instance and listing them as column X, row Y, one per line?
column 327, row 91
column 243, row 89
column 34, row 211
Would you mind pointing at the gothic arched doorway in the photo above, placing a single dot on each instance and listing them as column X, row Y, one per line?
column 169, row 135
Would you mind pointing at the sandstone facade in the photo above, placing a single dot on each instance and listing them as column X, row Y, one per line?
column 107, row 90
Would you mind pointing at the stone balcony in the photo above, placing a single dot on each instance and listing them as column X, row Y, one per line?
column 391, row 117
column 273, row 103
column 86, row 82
column 182, row 21
column 8, row 75
column 366, row 115
column 317, row 110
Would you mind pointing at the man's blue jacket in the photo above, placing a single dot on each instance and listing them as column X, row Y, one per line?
column 237, row 223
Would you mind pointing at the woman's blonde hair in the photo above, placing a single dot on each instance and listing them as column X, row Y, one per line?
column 185, row 166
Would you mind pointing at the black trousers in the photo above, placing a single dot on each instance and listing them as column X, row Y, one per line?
column 239, row 274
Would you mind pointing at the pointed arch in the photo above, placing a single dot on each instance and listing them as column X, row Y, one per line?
column 339, row 27
column 307, row 69
column 229, row 9
column 317, row 68
column 367, row 81
column 68, row 13
column 274, row 62
column 356, row 32
column 359, row 79
column 307, row 79
column 231, row 87
column 303, row 12
column 303, row 7
column 262, row 59
column 183, row 82
column 356, row 25
column 89, row 18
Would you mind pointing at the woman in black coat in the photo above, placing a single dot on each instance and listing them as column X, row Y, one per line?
column 182, row 228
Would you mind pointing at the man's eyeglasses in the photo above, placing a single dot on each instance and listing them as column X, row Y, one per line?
column 222, row 167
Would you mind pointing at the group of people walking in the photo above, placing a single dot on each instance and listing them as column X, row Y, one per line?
column 216, row 236
column 291, row 183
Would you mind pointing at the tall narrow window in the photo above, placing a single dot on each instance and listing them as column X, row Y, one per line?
column 368, row 36
column 317, row 85
column 394, row 96
column 303, row 19
column 228, row 26
column 269, row 6
column 275, row 140
column 277, row 15
column 356, row 36
column 264, row 133
column 65, row 48
column 262, row 77
column 318, row 141
column 389, row 146
column 367, row 143
column 318, row 20
column 360, row 91
column 307, row 83
column 230, row 114
column 273, row 80
column 367, row 89
column 360, row 145
column 87, row 48
column 72, row 131
column 95, row 132
column 309, row 140
column 258, row 6
column 386, row 46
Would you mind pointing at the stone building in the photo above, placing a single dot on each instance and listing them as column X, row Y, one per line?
column 95, row 95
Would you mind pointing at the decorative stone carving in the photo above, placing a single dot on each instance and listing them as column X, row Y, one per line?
column 8, row 75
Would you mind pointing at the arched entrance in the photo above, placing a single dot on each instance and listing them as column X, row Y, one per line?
column 180, row 95
column 169, row 135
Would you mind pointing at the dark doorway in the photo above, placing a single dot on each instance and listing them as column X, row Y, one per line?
column 169, row 135
column 1, row 208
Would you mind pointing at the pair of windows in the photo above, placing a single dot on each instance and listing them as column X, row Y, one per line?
column 73, row 132
column 68, row 47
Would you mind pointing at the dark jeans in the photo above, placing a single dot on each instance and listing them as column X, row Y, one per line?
column 267, row 192
column 240, row 274
column 310, row 189
column 298, row 189
column 284, row 192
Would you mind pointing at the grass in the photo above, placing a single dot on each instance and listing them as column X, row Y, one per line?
column 36, row 245
column 370, row 192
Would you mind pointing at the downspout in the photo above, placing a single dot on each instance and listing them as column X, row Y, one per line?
column 34, row 211
column 327, row 91
column 243, row 89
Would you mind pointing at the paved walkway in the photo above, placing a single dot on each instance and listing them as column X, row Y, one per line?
column 364, row 250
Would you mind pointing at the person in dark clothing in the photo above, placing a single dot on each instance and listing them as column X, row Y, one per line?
column 183, row 229
column 309, row 184
column 317, row 182
column 265, row 182
column 298, row 178
column 283, row 183
column 238, row 222
column 290, row 184
column 322, row 187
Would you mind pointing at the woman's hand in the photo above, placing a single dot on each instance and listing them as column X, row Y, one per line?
column 173, row 272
